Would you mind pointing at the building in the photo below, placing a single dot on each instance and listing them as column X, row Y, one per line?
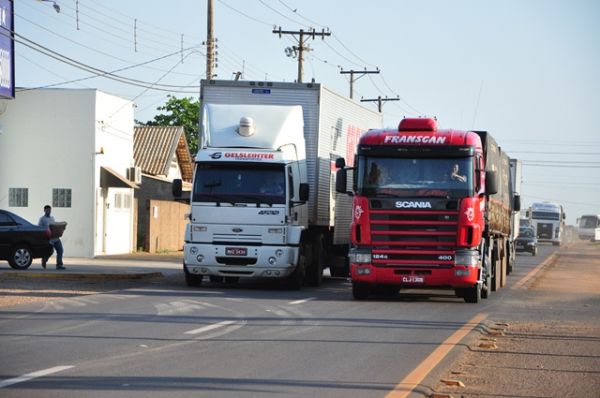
column 161, row 154
column 71, row 149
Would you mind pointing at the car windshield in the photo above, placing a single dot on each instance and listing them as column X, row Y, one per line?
column 416, row 177
column 526, row 233
column 239, row 183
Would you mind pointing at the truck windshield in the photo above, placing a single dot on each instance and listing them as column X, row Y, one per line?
column 417, row 177
column 239, row 183
column 545, row 215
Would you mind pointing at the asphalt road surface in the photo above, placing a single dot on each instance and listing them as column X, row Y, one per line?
column 257, row 340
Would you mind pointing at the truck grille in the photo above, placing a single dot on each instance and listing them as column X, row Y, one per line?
column 247, row 239
column 410, row 238
column 544, row 231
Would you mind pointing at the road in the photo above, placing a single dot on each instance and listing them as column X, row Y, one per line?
column 256, row 340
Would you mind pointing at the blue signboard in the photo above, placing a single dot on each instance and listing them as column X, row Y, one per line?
column 261, row 91
column 7, row 50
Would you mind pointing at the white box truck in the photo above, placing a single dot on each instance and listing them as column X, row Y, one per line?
column 263, row 202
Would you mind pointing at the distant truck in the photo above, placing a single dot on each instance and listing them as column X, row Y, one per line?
column 548, row 220
column 432, row 209
column 263, row 203
column 589, row 227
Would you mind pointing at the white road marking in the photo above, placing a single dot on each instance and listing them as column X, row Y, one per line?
column 33, row 375
column 302, row 301
column 210, row 327
column 178, row 307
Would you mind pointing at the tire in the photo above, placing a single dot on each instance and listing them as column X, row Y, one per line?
column 296, row 279
column 20, row 257
column 473, row 294
column 314, row 273
column 192, row 280
column 496, row 266
column 341, row 272
column 360, row 291
column 486, row 288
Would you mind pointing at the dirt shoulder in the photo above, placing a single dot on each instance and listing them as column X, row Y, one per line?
column 545, row 341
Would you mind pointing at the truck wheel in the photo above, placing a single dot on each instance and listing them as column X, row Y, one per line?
column 296, row 278
column 473, row 294
column 20, row 257
column 360, row 291
column 496, row 266
column 341, row 272
column 314, row 274
column 485, row 271
column 192, row 280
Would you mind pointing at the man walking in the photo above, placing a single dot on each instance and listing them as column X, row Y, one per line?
column 45, row 221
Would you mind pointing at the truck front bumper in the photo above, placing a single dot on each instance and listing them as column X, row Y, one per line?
column 451, row 277
column 240, row 261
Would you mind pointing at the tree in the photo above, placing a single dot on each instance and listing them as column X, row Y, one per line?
column 180, row 112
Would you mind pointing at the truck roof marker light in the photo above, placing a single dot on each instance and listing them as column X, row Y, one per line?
column 418, row 124
column 247, row 127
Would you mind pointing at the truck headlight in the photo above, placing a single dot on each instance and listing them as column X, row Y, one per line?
column 360, row 257
column 469, row 258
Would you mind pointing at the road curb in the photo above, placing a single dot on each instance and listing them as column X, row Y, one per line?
column 80, row 276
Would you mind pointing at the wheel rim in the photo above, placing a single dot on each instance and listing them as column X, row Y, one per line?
column 22, row 257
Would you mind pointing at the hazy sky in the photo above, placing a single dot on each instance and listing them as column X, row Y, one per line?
column 526, row 70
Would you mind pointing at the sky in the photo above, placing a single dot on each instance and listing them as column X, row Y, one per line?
column 525, row 70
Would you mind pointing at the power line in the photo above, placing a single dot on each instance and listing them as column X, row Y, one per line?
column 62, row 58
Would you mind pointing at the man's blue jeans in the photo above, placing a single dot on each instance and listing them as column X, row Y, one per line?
column 57, row 244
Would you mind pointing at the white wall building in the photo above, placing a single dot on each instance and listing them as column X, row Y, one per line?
column 71, row 149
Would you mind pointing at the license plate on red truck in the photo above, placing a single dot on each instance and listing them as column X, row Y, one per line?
column 236, row 251
column 413, row 279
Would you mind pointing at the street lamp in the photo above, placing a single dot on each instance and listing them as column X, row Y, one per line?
column 54, row 4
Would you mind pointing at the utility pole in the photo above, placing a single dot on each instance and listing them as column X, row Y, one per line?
column 380, row 101
column 301, row 47
column 352, row 79
column 210, row 42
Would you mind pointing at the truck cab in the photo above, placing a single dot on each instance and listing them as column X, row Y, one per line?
column 248, row 200
column 420, row 199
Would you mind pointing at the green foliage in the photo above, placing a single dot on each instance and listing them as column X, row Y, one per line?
column 180, row 112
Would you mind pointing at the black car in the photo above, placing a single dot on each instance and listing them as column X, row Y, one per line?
column 22, row 241
column 526, row 241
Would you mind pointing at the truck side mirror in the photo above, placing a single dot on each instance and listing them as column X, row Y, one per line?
column 177, row 187
column 517, row 203
column 340, row 180
column 491, row 182
column 303, row 192
column 340, row 163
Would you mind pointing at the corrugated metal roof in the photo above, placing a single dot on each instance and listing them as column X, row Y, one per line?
column 155, row 146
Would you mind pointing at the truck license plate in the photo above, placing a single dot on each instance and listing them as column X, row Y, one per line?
column 413, row 279
column 236, row 251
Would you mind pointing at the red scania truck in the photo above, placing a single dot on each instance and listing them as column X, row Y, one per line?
column 431, row 209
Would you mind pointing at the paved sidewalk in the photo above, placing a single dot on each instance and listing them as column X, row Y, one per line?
column 127, row 266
